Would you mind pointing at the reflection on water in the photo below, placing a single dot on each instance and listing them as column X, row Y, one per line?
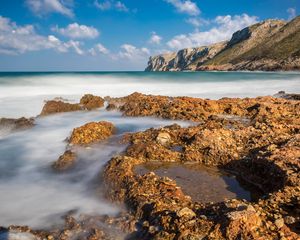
column 203, row 184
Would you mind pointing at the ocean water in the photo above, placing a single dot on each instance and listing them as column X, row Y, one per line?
column 31, row 193
column 22, row 94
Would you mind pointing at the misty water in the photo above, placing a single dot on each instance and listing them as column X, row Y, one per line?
column 31, row 193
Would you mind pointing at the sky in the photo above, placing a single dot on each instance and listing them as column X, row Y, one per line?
column 119, row 35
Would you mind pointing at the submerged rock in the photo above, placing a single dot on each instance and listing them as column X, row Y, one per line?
column 65, row 161
column 290, row 96
column 58, row 107
column 16, row 124
column 91, row 132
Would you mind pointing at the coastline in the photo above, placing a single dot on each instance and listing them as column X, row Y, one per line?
column 157, row 207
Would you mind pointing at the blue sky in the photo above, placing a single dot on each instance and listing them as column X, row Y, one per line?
column 100, row 35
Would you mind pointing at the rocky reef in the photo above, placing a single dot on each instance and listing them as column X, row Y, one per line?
column 87, row 102
column 16, row 124
column 255, row 139
column 85, row 135
column 270, row 45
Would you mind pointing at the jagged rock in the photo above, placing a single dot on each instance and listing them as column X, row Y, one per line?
column 52, row 107
column 90, row 102
column 91, row 132
column 268, row 45
column 87, row 102
column 111, row 107
column 16, row 124
column 65, row 161
column 291, row 96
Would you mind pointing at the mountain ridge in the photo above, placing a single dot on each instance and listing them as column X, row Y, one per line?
column 270, row 45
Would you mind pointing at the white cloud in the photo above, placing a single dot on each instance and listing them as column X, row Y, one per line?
column 224, row 27
column 42, row 7
column 133, row 53
column 16, row 39
column 75, row 30
column 98, row 48
column 155, row 39
column 197, row 22
column 111, row 5
column 185, row 6
column 292, row 13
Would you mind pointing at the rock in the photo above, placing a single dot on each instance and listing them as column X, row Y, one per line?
column 111, row 106
column 65, row 161
column 91, row 132
column 256, row 47
column 90, row 102
column 279, row 223
column 52, row 107
column 289, row 220
column 186, row 212
column 16, row 124
column 290, row 96
column 163, row 138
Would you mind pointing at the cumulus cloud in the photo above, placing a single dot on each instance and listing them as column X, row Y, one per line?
column 111, row 5
column 224, row 27
column 292, row 13
column 155, row 39
column 131, row 52
column 43, row 7
column 75, row 30
column 98, row 48
column 16, row 39
column 185, row 6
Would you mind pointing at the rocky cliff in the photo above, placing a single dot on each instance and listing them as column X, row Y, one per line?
column 269, row 45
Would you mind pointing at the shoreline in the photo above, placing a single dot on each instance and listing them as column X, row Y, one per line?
column 158, row 208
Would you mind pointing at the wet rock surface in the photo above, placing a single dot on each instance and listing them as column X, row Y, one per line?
column 16, row 124
column 65, row 161
column 87, row 102
column 91, row 132
column 201, row 183
column 259, row 144
column 256, row 139
column 90, row 101
column 85, row 135
column 53, row 106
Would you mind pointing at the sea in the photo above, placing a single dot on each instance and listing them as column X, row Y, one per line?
column 31, row 192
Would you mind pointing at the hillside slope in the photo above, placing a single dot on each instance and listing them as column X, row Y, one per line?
column 268, row 45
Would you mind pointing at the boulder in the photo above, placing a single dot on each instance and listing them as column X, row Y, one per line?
column 65, row 161
column 91, row 132
column 58, row 107
column 16, row 124
column 89, row 102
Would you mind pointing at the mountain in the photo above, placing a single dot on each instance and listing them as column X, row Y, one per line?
column 269, row 46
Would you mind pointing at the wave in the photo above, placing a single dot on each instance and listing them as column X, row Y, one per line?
column 23, row 94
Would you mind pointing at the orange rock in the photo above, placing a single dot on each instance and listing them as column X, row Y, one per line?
column 65, row 161
column 92, row 132
column 90, row 101
column 58, row 107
